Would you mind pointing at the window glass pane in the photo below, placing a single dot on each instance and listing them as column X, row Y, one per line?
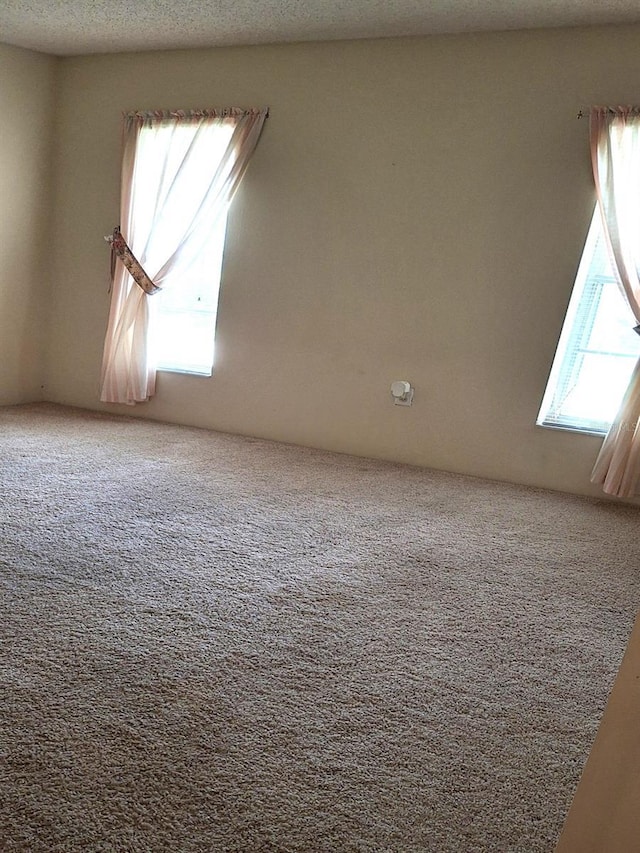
column 612, row 330
column 187, row 340
column 183, row 314
column 598, row 390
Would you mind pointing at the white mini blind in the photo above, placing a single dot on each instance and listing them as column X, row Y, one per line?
column 597, row 349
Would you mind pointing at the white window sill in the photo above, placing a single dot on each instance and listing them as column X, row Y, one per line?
column 581, row 430
column 188, row 371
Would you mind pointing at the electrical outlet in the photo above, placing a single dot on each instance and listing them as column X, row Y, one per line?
column 401, row 392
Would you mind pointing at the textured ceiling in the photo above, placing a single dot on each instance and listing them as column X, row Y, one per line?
column 67, row 27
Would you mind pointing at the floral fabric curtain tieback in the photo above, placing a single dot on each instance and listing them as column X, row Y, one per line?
column 120, row 249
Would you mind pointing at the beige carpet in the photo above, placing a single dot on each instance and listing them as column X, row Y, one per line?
column 212, row 643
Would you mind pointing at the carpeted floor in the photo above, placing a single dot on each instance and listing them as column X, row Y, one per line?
column 212, row 643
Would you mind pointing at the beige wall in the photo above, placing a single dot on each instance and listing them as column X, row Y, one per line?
column 27, row 82
column 415, row 210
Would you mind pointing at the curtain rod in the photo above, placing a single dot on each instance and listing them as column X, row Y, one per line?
column 585, row 113
column 223, row 112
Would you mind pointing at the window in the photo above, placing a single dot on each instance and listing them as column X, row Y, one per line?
column 183, row 317
column 598, row 347
column 180, row 172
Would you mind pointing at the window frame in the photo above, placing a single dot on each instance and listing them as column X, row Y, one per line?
column 204, row 267
column 573, row 343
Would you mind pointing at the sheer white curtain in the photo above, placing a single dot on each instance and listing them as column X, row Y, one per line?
column 175, row 186
column 615, row 155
